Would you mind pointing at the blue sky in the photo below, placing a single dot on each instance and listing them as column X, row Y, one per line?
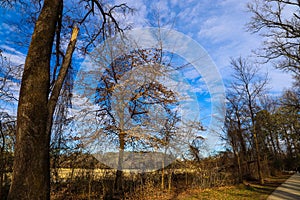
column 218, row 26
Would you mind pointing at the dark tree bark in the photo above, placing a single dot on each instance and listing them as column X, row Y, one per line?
column 31, row 174
column 118, row 186
column 31, row 170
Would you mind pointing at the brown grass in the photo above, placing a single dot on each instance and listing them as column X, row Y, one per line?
column 246, row 191
column 150, row 190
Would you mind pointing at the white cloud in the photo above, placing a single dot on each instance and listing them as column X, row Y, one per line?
column 139, row 16
column 7, row 28
column 13, row 55
column 279, row 80
column 218, row 26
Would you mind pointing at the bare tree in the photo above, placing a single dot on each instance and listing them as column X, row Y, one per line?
column 278, row 21
column 248, row 84
column 38, row 99
column 7, row 141
column 235, row 129
column 289, row 120
column 127, row 101
column 9, row 83
column 10, row 74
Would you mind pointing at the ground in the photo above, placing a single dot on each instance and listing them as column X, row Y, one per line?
column 247, row 191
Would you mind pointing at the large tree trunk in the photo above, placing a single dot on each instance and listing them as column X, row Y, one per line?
column 258, row 161
column 31, row 172
column 118, row 187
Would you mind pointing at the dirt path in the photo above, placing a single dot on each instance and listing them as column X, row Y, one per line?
column 289, row 190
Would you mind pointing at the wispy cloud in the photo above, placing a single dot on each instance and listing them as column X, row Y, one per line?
column 14, row 56
column 218, row 26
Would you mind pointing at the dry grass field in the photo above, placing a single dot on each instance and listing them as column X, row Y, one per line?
column 245, row 191
column 151, row 190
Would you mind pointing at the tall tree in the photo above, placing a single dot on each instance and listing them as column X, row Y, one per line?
column 236, row 129
column 290, row 125
column 9, row 82
column 249, row 85
column 278, row 21
column 127, row 103
column 37, row 101
column 32, row 140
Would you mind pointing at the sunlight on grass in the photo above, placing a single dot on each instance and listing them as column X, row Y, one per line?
column 246, row 191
